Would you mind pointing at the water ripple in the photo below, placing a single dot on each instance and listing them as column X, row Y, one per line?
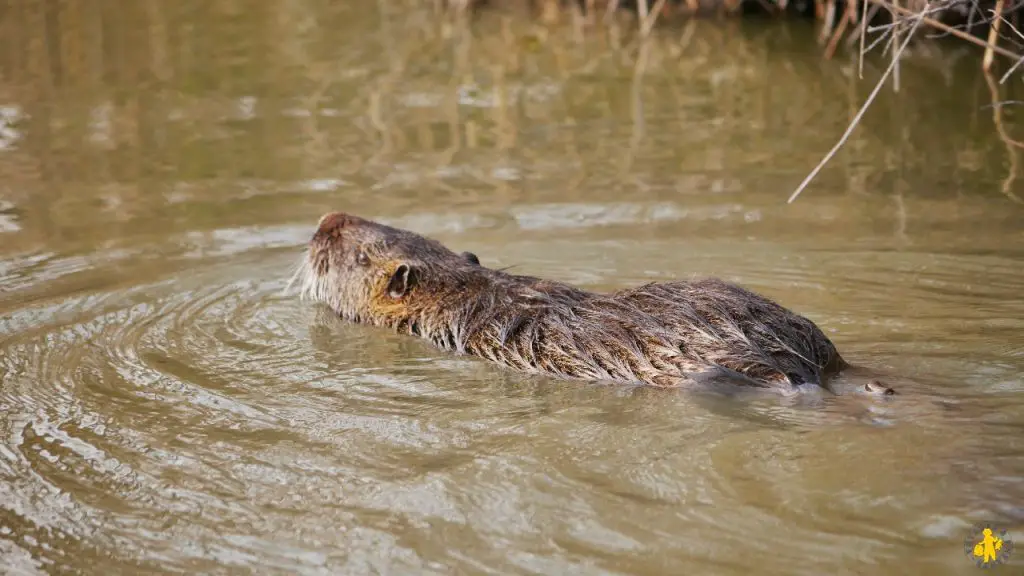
column 206, row 421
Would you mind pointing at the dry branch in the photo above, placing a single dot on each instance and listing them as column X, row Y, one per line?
column 947, row 28
column 993, row 36
column 856, row 119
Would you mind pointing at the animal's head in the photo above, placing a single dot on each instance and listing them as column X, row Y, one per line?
column 369, row 272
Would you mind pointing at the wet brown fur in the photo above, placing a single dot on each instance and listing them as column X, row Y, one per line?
column 669, row 334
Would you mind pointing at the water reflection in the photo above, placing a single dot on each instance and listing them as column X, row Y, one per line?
column 164, row 407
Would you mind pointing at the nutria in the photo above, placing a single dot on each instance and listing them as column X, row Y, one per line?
column 667, row 334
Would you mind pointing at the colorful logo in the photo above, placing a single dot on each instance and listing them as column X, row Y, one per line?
column 988, row 546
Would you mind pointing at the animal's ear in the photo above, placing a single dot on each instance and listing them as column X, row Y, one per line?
column 471, row 258
column 334, row 222
column 402, row 281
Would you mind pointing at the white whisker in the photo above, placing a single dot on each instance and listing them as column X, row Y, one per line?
column 300, row 275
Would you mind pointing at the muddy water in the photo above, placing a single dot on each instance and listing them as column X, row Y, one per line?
column 164, row 408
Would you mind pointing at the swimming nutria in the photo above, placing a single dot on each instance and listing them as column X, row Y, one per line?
column 669, row 334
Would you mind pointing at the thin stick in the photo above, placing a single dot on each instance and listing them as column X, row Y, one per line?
column 856, row 119
column 877, row 41
column 997, row 116
column 856, row 35
column 997, row 119
column 993, row 36
column 1010, row 71
column 863, row 33
column 652, row 17
column 895, row 41
column 1019, row 62
column 828, row 26
column 1012, row 27
column 843, row 22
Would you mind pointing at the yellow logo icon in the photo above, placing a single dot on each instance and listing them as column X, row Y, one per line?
column 988, row 546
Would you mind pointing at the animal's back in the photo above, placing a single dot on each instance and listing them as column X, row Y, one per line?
column 719, row 324
column 672, row 334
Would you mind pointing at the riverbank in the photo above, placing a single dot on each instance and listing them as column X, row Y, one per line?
column 991, row 25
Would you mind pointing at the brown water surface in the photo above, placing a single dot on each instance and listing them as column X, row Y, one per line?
column 164, row 408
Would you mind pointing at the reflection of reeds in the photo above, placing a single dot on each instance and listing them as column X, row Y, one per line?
column 922, row 14
column 150, row 109
column 959, row 18
column 1012, row 146
column 853, row 123
column 913, row 14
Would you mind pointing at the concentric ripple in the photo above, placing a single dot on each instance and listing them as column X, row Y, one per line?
column 209, row 422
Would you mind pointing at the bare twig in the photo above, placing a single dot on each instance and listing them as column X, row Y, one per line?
column 867, row 15
column 829, row 22
column 1011, row 144
column 895, row 40
column 647, row 24
column 1010, row 71
column 843, row 22
column 863, row 33
column 947, row 28
column 1003, row 103
column 974, row 9
column 993, row 36
column 997, row 115
column 886, row 34
column 1021, row 60
column 897, row 22
column 860, row 113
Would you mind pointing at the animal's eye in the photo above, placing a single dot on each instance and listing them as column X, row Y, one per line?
column 362, row 259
